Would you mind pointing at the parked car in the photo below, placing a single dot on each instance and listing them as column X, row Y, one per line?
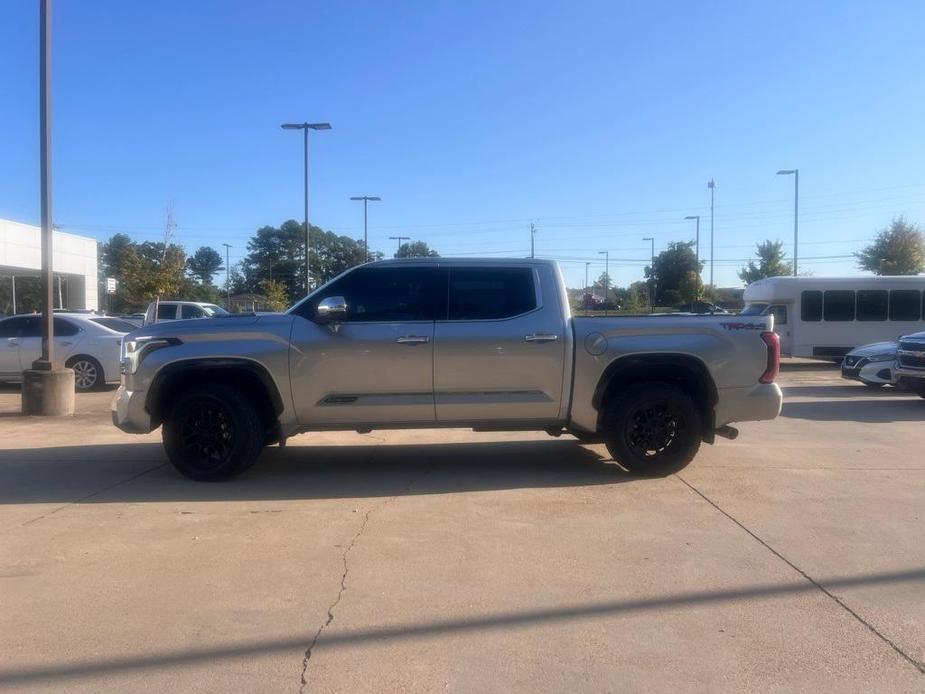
column 701, row 307
column 484, row 344
column 182, row 310
column 871, row 364
column 910, row 363
column 85, row 342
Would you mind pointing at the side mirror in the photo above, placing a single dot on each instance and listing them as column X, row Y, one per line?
column 331, row 309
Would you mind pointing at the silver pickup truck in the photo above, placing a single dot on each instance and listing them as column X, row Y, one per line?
column 483, row 344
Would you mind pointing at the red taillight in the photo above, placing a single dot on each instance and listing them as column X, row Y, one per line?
column 773, row 343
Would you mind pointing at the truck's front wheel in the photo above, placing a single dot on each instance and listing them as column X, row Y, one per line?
column 212, row 432
column 652, row 429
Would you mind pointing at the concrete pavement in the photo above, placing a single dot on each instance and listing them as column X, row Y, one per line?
column 791, row 559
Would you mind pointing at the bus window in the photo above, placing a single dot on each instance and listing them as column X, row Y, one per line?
column 779, row 311
column 905, row 304
column 872, row 304
column 754, row 310
column 811, row 306
column 838, row 305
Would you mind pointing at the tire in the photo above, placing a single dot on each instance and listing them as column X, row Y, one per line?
column 88, row 373
column 873, row 386
column 213, row 432
column 652, row 429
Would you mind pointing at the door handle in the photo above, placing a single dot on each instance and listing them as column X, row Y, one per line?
column 540, row 337
column 67, row 344
column 413, row 340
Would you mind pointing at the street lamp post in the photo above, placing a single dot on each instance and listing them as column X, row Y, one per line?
column 227, row 278
column 305, row 127
column 651, row 240
column 366, row 200
column 796, row 211
column 399, row 239
column 532, row 239
column 712, row 186
column 586, row 277
column 606, row 255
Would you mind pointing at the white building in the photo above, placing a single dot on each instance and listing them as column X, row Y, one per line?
column 74, row 262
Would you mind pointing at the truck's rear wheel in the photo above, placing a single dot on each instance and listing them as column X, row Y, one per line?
column 213, row 432
column 652, row 429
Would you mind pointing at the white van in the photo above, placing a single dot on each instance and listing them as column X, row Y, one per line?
column 827, row 317
column 182, row 310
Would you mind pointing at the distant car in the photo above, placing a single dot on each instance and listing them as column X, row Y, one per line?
column 87, row 343
column 871, row 364
column 700, row 307
column 910, row 363
column 182, row 310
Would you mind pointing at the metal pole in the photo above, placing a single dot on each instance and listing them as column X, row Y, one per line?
column 654, row 292
column 48, row 331
column 712, row 190
column 308, row 272
column 796, row 218
column 698, row 244
column 227, row 278
column 586, row 277
column 366, row 228
column 532, row 235
column 399, row 239
column 13, row 278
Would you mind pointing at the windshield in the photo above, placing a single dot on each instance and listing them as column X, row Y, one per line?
column 754, row 310
column 214, row 310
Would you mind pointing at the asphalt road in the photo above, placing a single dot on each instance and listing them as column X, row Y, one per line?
column 792, row 559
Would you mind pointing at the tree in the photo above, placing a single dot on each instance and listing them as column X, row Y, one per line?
column 204, row 263
column 603, row 283
column 275, row 293
column 771, row 263
column 417, row 249
column 670, row 267
column 690, row 287
column 152, row 271
column 897, row 250
column 637, row 299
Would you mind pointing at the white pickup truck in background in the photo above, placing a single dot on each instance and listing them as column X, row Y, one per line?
column 441, row 342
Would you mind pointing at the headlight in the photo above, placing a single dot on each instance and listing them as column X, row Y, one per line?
column 882, row 357
column 136, row 349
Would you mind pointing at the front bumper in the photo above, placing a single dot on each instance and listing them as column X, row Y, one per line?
column 128, row 411
column 748, row 404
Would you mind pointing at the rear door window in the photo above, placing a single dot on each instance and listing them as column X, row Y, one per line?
column 166, row 311
column 190, row 311
column 488, row 293
column 65, row 328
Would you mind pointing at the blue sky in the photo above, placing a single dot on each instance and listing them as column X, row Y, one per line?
column 600, row 121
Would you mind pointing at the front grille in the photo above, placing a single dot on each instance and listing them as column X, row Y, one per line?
column 912, row 360
column 912, row 346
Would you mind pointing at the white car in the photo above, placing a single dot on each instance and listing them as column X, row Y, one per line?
column 182, row 310
column 872, row 365
column 85, row 342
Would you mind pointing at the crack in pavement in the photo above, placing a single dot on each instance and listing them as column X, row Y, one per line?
column 841, row 603
column 343, row 578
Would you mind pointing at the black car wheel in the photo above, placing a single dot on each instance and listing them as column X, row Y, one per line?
column 212, row 433
column 652, row 429
column 88, row 373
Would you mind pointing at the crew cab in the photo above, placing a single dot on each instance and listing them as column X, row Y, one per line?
column 910, row 363
column 439, row 342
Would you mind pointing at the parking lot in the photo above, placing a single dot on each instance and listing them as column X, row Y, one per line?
column 791, row 559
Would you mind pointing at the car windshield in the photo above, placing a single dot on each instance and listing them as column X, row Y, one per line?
column 754, row 310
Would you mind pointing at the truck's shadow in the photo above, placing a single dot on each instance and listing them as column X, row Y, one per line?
column 139, row 472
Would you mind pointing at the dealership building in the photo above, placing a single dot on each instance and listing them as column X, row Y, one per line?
column 74, row 262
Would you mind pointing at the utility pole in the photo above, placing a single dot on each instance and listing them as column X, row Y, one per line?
column 697, row 243
column 796, row 212
column 653, row 286
column 712, row 186
column 586, row 277
column 48, row 388
column 366, row 199
column 227, row 278
column 399, row 239
column 532, row 237
column 606, row 255
column 305, row 127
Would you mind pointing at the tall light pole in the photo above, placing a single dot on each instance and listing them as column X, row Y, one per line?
column 697, row 244
column 712, row 186
column 399, row 239
column 586, row 277
column 227, row 278
column 651, row 240
column 606, row 255
column 796, row 211
column 532, row 237
column 366, row 200
column 305, row 127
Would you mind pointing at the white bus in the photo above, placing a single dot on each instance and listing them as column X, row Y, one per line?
column 826, row 317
